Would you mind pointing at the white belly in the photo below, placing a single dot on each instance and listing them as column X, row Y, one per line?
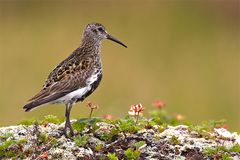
column 73, row 95
column 79, row 92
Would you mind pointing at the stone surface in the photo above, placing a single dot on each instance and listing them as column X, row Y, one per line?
column 179, row 142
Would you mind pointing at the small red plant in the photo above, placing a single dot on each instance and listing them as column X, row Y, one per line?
column 179, row 117
column 92, row 107
column 225, row 126
column 108, row 116
column 136, row 110
column 44, row 155
column 158, row 104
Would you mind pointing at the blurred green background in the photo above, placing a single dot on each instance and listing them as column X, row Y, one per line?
column 185, row 53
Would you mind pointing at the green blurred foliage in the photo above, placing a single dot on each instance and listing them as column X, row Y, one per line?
column 183, row 52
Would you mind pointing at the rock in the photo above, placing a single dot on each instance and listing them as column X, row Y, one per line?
column 47, row 141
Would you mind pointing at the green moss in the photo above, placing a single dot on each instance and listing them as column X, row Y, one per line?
column 162, row 127
column 29, row 122
column 139, row 144
column 51, row 119
column 42, row 137
column 108, row 135
column 81, row 141
column 53, row 141
column 210, row 151
column 161, row 116
column 99, row 147
column 206, row 126
column 175, row 140
column 128, row 125
column 112, row 156
column 45, row 120
column 132, row 154
column 83, row 123
column 226, row 157
column 235, row 148
column 6, row 152
column 5, row 136
column 222, row 150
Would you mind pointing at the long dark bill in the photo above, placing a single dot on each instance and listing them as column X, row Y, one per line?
column 115, row 40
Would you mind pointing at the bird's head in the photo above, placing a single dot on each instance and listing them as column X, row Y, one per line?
column 97, row 31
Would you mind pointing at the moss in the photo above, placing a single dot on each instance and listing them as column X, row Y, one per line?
column 83, row 123
column 222, row 150
column 235, row 148
column 226, row 157
column 53, row 141
column 175, row 140
column 132, row 154
column 162, row 127
column 45, row 120
column 112, row 156
column 128, row 125
column 210, row 151
column 139, row 144
column 81, row 141
column 42, row 137
column 107, row 136
column 51, row 119
column 161, row 116
column 206, row 126
column 99, row 147
column 5, row 136
column 29, row 122
column 6, row 152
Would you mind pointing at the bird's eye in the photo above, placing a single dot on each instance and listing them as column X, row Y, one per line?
column 100, row 29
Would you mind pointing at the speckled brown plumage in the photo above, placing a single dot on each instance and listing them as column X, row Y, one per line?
column 76, row 77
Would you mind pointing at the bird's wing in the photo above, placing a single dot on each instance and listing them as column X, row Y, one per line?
column 64, row 79
column 61, row 88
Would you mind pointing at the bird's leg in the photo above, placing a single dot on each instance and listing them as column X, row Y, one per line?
column 69, row 123
column 66, row 122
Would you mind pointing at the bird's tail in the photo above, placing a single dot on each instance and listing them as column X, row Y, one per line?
column 41, row 99
column 29, row 106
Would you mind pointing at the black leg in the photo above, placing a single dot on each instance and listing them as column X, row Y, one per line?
column 68, row 123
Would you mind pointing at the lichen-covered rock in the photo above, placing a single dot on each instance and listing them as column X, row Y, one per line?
column 105, row 140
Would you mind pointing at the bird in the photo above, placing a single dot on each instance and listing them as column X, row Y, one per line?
column 76, row 77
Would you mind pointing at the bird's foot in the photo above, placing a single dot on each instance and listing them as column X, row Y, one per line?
column 68, row 126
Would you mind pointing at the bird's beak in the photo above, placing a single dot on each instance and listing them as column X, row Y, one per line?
column 115, row 40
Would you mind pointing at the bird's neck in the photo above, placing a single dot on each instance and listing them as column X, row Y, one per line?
column 90, row 44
